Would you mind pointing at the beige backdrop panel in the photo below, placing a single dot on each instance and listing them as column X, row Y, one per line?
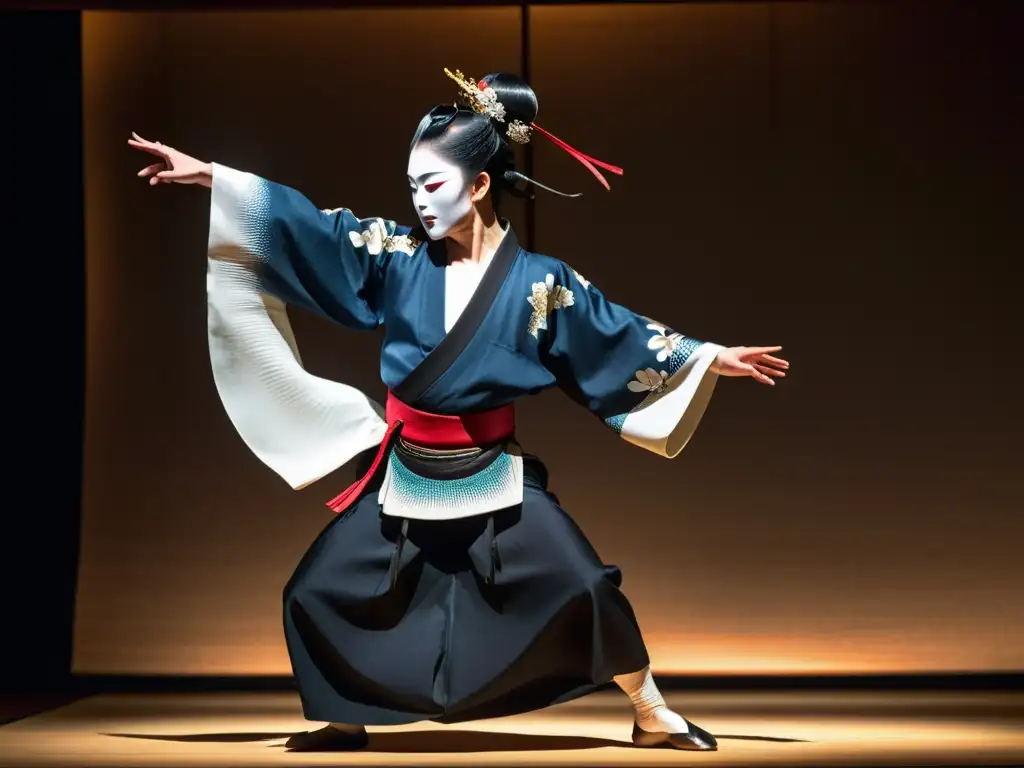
column 187, row 540
column 828, row 177
column 794, row 173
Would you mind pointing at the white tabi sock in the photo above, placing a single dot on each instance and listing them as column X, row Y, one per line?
column 652, row 714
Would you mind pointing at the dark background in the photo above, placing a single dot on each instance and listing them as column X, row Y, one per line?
column 840, row 178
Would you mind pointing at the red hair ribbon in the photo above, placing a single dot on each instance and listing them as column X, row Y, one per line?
column 588, row 161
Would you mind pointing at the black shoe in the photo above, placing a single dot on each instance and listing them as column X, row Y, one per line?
column 328, row 739
column 694, row 739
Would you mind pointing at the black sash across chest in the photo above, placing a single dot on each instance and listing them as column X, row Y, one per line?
column 454, row 343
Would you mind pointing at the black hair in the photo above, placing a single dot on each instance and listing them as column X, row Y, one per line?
column 478, row 143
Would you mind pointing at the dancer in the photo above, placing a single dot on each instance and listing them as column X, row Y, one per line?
column 450, row 585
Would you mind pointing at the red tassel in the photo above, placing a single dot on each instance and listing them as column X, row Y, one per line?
column 344, row 500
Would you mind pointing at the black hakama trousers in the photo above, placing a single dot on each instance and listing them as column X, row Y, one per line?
column 455, row 620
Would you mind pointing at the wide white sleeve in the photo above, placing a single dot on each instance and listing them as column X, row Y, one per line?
column 301, row 426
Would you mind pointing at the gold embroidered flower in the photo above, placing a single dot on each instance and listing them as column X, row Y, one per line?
column 648, row 380
column 664, row 342
column 545, row 298
column 582, row 280
column 402, row 244
column 375, row 238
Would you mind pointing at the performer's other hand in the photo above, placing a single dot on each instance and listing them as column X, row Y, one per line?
column 175, row 167
column 756, row 362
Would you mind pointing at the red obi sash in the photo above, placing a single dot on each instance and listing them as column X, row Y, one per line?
column 430, row 430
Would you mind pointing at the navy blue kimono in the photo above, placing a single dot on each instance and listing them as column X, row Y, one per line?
column 467, row 610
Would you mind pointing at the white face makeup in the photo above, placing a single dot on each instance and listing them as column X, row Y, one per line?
column 440, row 191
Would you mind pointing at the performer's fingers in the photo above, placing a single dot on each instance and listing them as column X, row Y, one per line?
column 172, row 173
column 775, row 361
column 140, row 140
column 149, row 170
column 752, row 372
column 761, row 350
column 755, row 373
column 770, row 371
column 158, row 151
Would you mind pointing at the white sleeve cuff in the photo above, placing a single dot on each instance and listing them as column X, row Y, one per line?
column 665, row 422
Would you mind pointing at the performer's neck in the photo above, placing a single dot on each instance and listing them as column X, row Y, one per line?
column 477, row 239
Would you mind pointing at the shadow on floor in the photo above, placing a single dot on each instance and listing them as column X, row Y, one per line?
column 443, row 741
column 202, row 738
column 14, row 707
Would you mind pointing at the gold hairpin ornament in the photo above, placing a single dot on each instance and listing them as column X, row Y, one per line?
column 519, row 132
column 483, row 101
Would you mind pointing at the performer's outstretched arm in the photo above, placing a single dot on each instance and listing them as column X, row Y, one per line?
column 643, row 379
column 270, row 247
column 329, row 262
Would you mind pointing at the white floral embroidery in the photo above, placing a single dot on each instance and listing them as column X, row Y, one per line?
column 664, row 342
column 545, row 299
column 583, row 281
column 375, row 238
column 331, row 211
column 372, row 238
column 649, row 380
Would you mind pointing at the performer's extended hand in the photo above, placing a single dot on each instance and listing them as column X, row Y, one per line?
column 175, row 167
column 756, row 362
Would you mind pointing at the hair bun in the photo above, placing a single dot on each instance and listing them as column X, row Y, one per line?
column 515, row 95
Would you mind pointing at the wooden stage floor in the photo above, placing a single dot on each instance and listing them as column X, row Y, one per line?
column 754, row 729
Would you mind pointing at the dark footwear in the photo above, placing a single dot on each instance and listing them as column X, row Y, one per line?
column 328, row 739
column 694, row 739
